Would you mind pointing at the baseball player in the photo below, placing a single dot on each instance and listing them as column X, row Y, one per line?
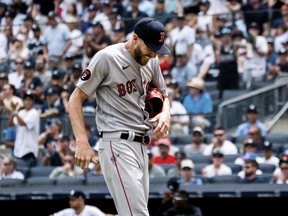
column 119, row 75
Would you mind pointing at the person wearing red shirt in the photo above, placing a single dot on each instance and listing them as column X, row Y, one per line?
column 164, row 157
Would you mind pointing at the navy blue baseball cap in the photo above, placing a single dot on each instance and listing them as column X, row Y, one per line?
column 153, row 33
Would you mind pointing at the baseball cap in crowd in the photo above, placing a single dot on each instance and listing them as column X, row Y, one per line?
column 92, row 7
column 250, row 142
column 54, row 122
column 173, row 184
column 64, row 138
column 180, row 154
column 204, row 2
column 252, row 109
column 254, row 25
column 267, row 145
column 225, row 31
column 187, row 163
column 28, row 65
column 29, row 94
column 197, row 83
column 198, row 130
column 35, row 27
column 56, row 74
column 163, row 141
column 51, row 91
column 52, row 14
column 77, row 194
column 153, row 33
column 217, row 153
column 249, row 156
column 3, row 76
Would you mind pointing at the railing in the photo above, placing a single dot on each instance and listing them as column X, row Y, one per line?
column 269, row 99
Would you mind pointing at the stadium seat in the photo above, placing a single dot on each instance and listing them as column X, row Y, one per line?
column 225, row 179
column 267, row 168
column 166, row 167
column 11, row 182
column 95, row 180
column 40, row 180
column 235, row 167
column 230, row 158
column 40, row 171
column 70, row 181
column 198, row 168
column 185, row 139
column 199, row 158
column 277, row 137
column 24, row 170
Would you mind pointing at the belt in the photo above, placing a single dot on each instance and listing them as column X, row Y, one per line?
column 141, row 138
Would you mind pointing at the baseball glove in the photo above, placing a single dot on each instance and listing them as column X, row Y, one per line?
column 154, row 102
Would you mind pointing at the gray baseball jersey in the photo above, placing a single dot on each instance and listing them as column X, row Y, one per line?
column 120, row 84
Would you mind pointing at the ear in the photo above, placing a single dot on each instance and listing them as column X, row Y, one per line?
column 135, row 37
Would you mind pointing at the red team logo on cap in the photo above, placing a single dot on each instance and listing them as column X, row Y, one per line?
column 162, row 37
column 85, row 75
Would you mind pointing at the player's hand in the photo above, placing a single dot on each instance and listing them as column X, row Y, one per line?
column 162, row 128
column 84, row 154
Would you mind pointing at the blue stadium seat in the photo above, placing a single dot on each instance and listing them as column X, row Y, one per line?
column 70, row 181
column 11, row 182
column 40, row 180
column 41, row 171
column 225, row 179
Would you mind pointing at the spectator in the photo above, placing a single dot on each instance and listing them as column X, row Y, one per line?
column 53, row 105
column 3, row 79
column 221, row 142
column 256, row 56
column 161, row 14
column 55, row 156
column 68, row 169
column 27, row 122
column 79, row 207
column 30, row 81
column 252, row 115
column 87, row 22
column 281, row 66
column 75, row 35
column 255, row 134
column 176, row 171
column 156, row 150
column 41, row 71
column 181, row 206
column 250, row 173
column 226, row 61
column 15, row 76
column 52, row 133
column 56, row 40
column 94, row 41
column 268, row 155
column 188, row 174
column 132, row 16
column 9, row 170
column 103, row 17
column 218, row 167
column 253, row 11
column 249, row 147
column 183, row 71
column 280, row 175
column 246, row 157
column 179, row 124
column 197, row 146
column 164, row 157
column 95, row 170
column 198, row 103
column 155, row 170
column 35, row 44
column 9, row 95
column 92, row 139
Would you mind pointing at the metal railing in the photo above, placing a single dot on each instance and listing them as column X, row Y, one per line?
column 270, row 99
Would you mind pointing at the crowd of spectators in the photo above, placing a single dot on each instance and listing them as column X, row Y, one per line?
column 45, row 45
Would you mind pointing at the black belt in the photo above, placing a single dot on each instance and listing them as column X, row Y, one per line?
column 144, row 139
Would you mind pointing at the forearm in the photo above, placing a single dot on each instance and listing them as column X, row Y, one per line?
column 76, row 115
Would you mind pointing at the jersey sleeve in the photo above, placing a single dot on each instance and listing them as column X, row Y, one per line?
column 93, row 75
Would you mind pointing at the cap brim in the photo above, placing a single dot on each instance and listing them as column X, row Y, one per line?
column 160, row 49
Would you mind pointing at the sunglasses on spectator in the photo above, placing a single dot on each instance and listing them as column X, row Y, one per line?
column 216, row 135
column 68, row 161
column 6, row 164
column 284, row 168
